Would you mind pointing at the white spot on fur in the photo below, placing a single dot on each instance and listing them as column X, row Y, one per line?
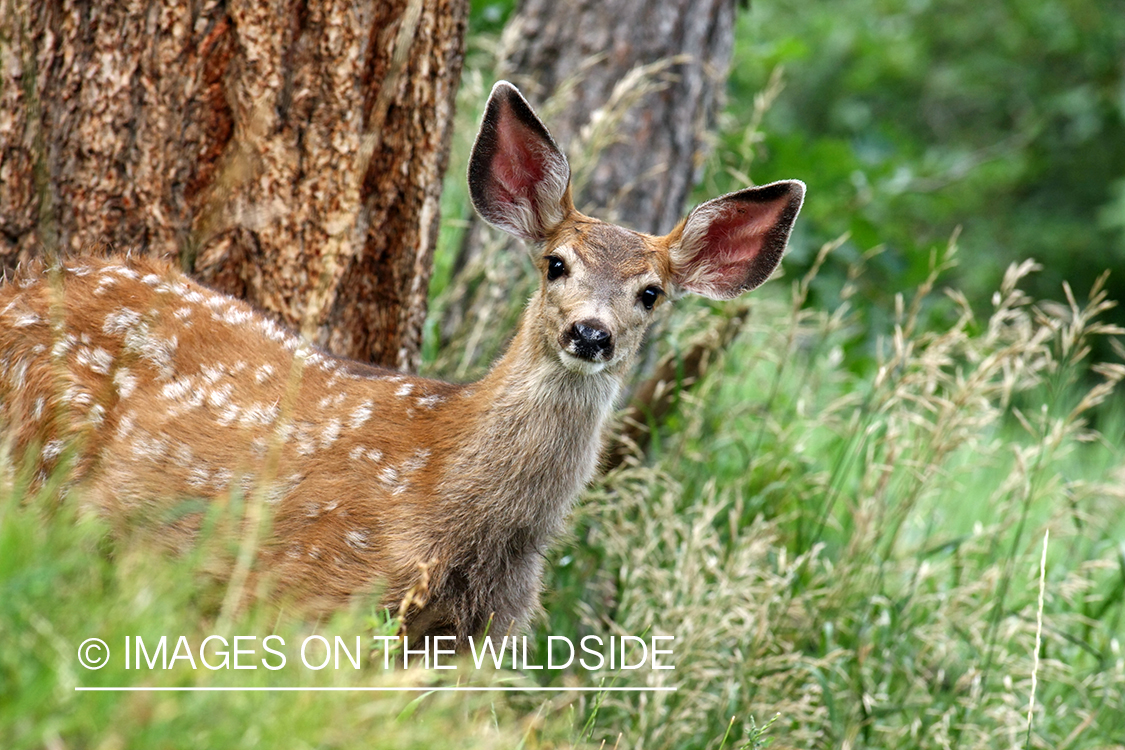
column 172, row 287
column 430, row 401
column 199, row 477
column 228, row 414
column 356, row 539
column 360, row 453
column 126, row 383
column 331, row 432
column 149, row 448
column 98, row 360
column 63, row 345
column 178, row 389
column 221, row 478
column 404, row 390
column 96, row 415
column 263, row 373
column 219, row 397
column 121, row 321
column 183, row 456
column 258, row 414
column 390, row 479
column 306, row 445
column 104, row 285
column 125, row 425
column 212, row 373
column 19, row 374
column 73, row 395
column 361, row 414
column 417, row 461
column 236, row 316
column 27, row 319
column 52, row 449
column 272, row 330
column 157, row 351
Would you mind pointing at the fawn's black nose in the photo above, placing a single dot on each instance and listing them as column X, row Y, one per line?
column 591, row 340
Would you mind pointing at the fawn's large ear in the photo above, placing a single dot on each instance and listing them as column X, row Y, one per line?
column 518, row 179
column 732, row 244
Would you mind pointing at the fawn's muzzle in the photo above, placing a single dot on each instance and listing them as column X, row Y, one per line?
column 589, row 340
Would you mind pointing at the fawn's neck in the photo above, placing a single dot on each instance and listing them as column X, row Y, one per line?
column 536, row 440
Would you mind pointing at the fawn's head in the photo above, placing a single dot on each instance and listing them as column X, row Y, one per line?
column 601, row 283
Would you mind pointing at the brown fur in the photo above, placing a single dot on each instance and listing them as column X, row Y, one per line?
column 174, row 391
column 167, row 390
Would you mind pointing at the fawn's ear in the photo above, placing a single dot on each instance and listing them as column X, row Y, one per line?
column 732, row 244
column 518, row 179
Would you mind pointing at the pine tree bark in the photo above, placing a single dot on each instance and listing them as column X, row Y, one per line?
column 593, row 51
column 288, row 152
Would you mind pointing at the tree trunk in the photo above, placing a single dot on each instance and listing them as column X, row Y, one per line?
column 638, row 83
column 290, row 153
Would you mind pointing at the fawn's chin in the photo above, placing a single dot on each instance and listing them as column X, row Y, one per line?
column 579, row 365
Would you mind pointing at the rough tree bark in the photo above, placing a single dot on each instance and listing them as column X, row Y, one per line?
column 290, row 152
column 645, row 172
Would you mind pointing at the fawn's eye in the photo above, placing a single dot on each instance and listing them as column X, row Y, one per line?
column 555, row 267
column 649, row 296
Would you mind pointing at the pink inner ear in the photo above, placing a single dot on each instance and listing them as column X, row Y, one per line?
column 737, row 233
column 732, row 244
column 733, row 241
column 518, row 166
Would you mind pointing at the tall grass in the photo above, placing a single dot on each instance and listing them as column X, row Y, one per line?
column 858, row 555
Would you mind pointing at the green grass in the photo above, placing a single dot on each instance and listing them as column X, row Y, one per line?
column 63, row 580
column 859, row 554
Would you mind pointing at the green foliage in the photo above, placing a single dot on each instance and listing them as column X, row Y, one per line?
column 910, row 119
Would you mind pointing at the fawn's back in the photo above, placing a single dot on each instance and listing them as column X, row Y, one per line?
column 168, row 390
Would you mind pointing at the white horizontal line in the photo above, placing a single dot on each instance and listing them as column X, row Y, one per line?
column 379, row 689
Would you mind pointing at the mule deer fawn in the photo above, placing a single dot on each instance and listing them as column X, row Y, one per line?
column 167, row 389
